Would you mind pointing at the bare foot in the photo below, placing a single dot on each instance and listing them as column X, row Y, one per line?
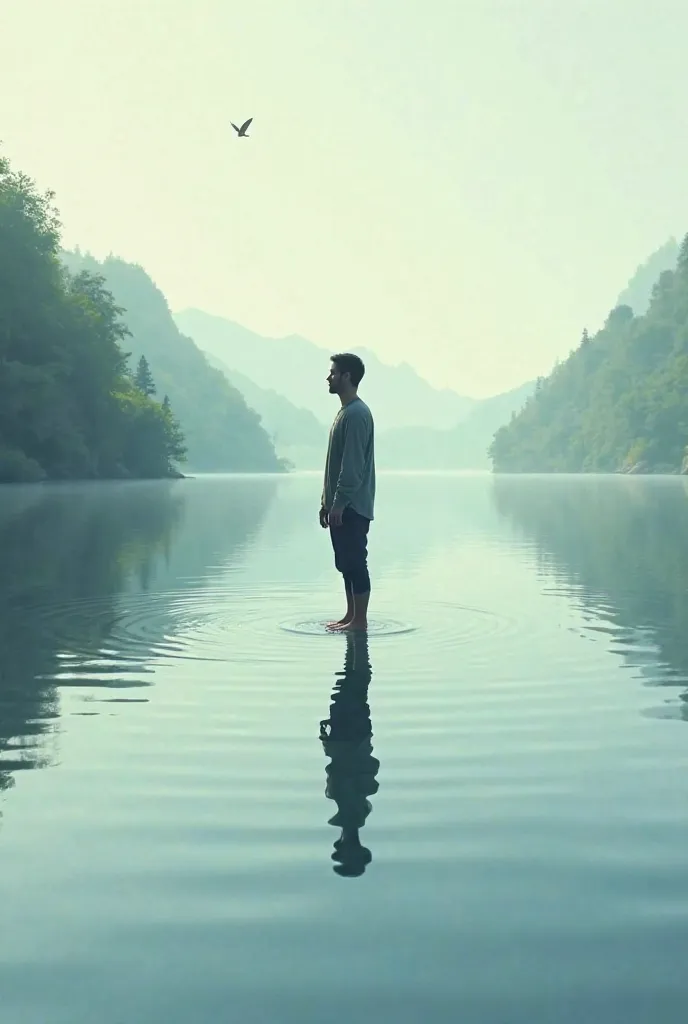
column 344, row 621
column 354, row 625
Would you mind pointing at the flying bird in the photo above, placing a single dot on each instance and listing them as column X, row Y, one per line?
column 241, row 132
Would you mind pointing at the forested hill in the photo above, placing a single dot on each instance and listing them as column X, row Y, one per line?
column 70, row 405
column 222, row 433
column 638, row 292
column 619, row 403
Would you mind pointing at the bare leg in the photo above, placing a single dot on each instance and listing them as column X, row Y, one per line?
column 348, row 616
column 359, row 618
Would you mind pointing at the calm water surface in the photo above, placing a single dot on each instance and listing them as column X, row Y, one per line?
column 491, row 827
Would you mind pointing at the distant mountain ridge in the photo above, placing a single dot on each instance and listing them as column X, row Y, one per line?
column 297, row 434
column 398, row 396
column 464, row 447
column 295, row 367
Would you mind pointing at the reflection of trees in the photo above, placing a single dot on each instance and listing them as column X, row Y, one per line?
column 622, row 544
column 61, row 546
column 66, row 555
column 222, row 516
column 347, row 740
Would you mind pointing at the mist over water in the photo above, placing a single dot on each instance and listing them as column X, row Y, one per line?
column 205, row 816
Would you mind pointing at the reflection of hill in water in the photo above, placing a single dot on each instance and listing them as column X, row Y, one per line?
column 67, row 554
column 219, row 518
column 621, row 545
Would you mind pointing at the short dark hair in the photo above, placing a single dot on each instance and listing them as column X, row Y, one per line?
column 347, row 362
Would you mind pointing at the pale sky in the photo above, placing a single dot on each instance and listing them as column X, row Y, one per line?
column 460, row 185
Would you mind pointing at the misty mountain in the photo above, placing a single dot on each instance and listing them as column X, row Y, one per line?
column 222, row 433
column 638, row 291
column 464, row 447
column 301, row 438
column 296, row 433
column 296, row 368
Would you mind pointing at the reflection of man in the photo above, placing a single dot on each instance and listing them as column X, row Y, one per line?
column 349, row 489
column 351, row 774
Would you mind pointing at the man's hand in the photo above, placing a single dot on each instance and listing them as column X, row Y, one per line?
column 336, row 516
column 324, row 518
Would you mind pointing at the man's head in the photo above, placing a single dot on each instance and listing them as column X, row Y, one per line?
column 346, row 373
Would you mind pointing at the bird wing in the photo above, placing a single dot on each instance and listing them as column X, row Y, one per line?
column 246, row 124
column 234, row 126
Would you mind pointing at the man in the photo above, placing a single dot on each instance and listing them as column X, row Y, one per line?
column 349, row 491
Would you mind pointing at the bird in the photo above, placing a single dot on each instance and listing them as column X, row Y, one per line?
column 241, row 132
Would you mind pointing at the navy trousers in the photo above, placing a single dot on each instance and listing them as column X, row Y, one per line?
column 350, row 546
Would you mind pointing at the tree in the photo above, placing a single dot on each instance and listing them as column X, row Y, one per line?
column 143, row 377
column 175, row 443
column 682, row 262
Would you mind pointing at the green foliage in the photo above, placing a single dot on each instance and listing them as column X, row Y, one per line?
column 619, row 403
column 222, row 433
column 151, row 440
column 143, row 378
column 14, row 465
column 66, row 406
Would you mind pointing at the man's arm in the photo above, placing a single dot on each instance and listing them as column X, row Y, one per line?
column 356, row 436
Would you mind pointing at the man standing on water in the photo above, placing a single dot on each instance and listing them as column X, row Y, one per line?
column 349, row 490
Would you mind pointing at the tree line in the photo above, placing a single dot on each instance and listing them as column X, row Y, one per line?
column 70, row 405
column 619, row 402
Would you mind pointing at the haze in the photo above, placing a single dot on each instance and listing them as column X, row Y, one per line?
column 464, row 187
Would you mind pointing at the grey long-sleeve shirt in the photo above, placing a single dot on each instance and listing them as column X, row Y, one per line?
column 350, row 463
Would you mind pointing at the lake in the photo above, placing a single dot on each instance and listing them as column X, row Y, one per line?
column 492, row 828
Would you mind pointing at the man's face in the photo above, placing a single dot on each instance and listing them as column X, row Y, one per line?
column 334, row 380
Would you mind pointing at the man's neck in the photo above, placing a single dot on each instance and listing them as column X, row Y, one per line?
column 348, row 398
